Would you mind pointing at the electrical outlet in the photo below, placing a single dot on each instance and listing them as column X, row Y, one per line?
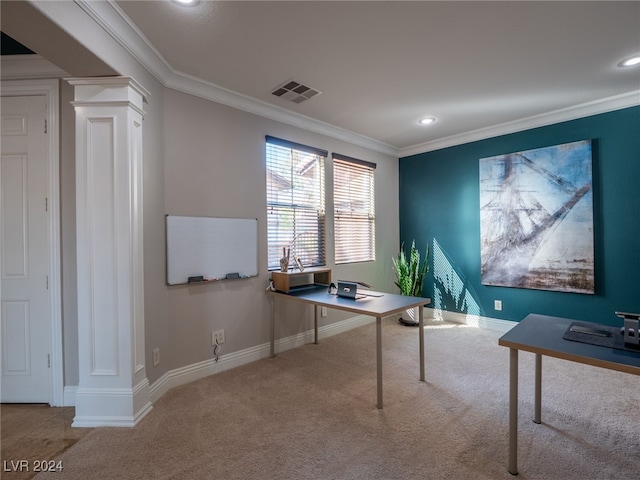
column 217, row 335
column 156, row 357
column 497, row 305
column 323, row 311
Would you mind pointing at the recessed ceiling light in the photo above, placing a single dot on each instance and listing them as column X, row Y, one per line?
column 630, row 62
column 426, row 121
column 187, row 3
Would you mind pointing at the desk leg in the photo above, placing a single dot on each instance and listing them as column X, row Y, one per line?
column 538, row 399
column 272, row 350
column 513, row 411
column 379, row 358
column 421, row 331
column 315, row 324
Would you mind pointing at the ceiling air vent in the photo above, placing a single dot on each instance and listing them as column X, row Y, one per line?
column 295, row 92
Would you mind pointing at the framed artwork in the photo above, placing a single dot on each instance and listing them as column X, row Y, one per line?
column 536, row 219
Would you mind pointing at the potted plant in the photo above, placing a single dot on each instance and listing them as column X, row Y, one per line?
column 410, row 275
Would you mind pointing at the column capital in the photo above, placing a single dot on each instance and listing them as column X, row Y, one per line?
column 92, row 91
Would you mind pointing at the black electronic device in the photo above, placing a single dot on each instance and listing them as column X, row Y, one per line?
column 589, row 330
column 348, row 290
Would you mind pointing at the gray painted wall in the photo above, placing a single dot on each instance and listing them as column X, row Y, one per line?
column 200, row 158
column 215, row 166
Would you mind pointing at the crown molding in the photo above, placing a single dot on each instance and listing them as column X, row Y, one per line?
column 118, row 26
column 595, row 107
column 194, row 86
column 116, row 23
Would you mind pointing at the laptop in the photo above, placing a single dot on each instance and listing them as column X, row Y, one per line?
column 349, row 290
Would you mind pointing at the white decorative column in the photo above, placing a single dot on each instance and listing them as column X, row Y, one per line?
column 113, row 389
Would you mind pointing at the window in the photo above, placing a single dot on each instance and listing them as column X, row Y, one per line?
column 295, row 202
column 354, row 209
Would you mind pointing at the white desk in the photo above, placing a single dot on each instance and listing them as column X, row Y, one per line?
column 542, row 335
column 378, row 307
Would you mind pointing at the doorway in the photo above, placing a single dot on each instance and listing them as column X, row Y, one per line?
column 32, row 358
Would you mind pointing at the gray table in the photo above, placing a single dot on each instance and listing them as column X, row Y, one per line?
column 542, row 335
column 377, row 306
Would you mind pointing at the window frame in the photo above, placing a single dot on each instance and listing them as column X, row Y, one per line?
column 304, row 209
column 358, row 242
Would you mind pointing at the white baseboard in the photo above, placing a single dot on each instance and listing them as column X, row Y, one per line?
column 190, row 373
column 112, row 407
column 196, row 371
column 93, row 421
column 69, row 394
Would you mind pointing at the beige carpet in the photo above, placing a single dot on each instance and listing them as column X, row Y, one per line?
column 310, row 414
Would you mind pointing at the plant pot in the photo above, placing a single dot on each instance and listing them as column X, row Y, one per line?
column 410, row 317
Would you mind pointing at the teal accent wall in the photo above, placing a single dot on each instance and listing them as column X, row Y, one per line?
column 440, row 206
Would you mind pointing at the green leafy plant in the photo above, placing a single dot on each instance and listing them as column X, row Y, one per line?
column 410, row 274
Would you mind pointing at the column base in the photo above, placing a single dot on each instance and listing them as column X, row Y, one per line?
column 112, row 407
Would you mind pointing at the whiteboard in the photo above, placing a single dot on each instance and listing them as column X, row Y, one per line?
column 211, row 248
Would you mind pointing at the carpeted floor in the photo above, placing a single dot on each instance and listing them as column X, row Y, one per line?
column 310, row 414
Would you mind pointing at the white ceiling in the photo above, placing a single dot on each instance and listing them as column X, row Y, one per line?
column 382, row 65
column 481, row 68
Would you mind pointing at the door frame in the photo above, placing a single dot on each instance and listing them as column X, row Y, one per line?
column 50, row 88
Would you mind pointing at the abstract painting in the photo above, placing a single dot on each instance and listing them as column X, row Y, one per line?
column 536, row 219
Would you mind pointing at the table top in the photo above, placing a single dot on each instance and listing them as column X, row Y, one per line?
column 383, row 305
column 543, row 334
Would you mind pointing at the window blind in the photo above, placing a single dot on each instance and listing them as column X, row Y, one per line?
column 354, row 209
column 295, row 202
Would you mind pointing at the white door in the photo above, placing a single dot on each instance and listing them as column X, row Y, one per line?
column 26, row 321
